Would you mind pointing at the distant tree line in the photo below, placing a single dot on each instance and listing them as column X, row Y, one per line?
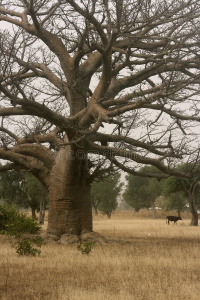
column 24, row 190
column 172, row 193
column 169, row 194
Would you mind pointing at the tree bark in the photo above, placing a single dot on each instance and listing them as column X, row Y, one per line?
column 70, row 209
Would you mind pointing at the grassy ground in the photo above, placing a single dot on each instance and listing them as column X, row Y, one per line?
column 145, row 259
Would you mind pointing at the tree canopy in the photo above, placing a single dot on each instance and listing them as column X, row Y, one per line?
column 106, row 193
column 76, row 65
column 22, row 189
column 11, row 190
column 188, row 188
column 141, row 192
column 70, row 68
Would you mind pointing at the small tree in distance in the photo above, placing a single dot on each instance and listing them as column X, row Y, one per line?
column 141, row 192
column 106, row 193
column 24, row 190
column 188, row 187
column 37, row 196
column 173, row 201
column 11, row 190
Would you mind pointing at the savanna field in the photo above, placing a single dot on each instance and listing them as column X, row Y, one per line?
column 143, row 259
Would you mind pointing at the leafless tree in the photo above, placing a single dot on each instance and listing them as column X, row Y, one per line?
column 70, row 68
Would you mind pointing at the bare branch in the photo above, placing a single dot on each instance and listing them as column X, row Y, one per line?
column 28, row 163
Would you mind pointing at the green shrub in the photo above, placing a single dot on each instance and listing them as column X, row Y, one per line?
column 13, row 222
column 25, row 246
column 86, row 247
column 7, row 214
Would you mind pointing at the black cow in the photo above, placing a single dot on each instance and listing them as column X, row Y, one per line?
column 172, row 219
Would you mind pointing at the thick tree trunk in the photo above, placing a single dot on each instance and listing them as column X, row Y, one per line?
column 194, row 220
column 70, row 209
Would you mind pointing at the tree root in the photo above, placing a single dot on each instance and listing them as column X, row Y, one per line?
column 93, row 237
column 67, row 238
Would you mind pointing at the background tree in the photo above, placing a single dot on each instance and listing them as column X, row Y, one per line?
column 135, row 194
column 95, row 202
column 37, row 196
column 189, row 187
column 67, row 68
column 106, row 193
column 141, row 192
column 172, row 201
column 24, row 190
column 11, row 188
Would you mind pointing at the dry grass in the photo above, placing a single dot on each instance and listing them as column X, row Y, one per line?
column 147, row 259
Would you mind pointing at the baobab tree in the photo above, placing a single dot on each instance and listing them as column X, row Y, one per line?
column 70, row 68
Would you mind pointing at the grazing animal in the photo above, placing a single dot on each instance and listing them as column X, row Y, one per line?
column 172, row 219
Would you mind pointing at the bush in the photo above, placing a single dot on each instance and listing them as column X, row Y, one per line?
column 24, row 246
column 86, row 247
column 13, row 222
